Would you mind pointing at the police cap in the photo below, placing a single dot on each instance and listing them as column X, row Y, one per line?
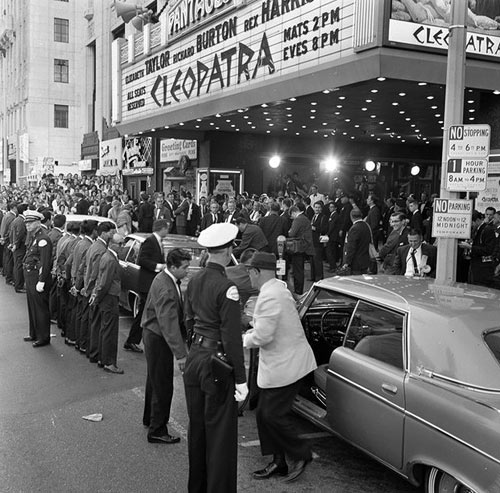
column 218, row 235
column 30, row 216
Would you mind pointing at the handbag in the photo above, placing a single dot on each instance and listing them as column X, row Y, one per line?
column 221, row 369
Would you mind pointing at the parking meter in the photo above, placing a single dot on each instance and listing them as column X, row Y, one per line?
column 281, row 262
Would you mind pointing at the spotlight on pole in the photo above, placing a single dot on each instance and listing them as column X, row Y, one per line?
column 370, row 165
column 275, row 161
column 330, row 164
column 415, row 170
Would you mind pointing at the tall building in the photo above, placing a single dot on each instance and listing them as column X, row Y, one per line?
column 42, row 79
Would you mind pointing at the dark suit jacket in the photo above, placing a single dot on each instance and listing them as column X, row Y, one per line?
column 319, row 228
column 163, row 213
column 301, row 228
column 416, row 221
column 181, row 214
column 273, row 226
column 345, row 222
column 82, row 206
column 193, row 223
column 236, row 215
column 145, row 217
column 163, row 314
column 207, row 220
column 252, row 237
column 356, row 247
column 333, row 227
column 402, row 254
column 108, row 279
column 150, row 254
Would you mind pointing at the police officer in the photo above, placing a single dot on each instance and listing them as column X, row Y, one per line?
column 37, row 266
column 213, row 318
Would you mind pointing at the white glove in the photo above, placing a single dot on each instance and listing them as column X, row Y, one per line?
column 40, row 286
column 241, row 392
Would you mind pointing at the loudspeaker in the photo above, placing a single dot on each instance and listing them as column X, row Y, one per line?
column 128, row 12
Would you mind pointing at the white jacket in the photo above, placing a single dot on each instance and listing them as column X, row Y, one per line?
column 285, row 355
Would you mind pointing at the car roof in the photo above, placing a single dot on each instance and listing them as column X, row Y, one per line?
column 79, row 218
column 403, row 293
column 177, row 241
column 446, row 323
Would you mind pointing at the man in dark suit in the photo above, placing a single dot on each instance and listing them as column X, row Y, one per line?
column 161, row 211
column 356, row 247
column 193, row 218
column 171, row 205
column 180, row 214
column 333, row 247
column 482, row 262
column 232, row 212
column 106, row 294
column 151, row 260
column 398, row 237
column 416, row 220
column 18, row 245
column 145, row 214
column 416, row 258
column 212, row 217
column 82, row 204
column 203, row 206
column 374, row 219
column 345, row 222
column 319, row 226
column 273, row 225
column 164, row 338
column 8, row 258
column 302, row 231
column 251, row 237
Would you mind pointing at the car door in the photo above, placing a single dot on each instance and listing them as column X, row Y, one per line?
column 129, row 267
column 365, row 383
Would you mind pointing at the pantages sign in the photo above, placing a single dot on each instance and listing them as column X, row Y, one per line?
column 265, row 40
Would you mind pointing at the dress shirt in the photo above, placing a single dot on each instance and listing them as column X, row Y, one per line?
column 160, row 242
column 410, row 269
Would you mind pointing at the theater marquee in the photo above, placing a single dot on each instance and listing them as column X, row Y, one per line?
column 251, row 45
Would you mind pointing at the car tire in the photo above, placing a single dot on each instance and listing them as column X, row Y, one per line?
column 437, row 481
column 135, row 305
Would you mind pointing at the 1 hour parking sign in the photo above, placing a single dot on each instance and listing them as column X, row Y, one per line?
column 466, row 175
column 468, row 151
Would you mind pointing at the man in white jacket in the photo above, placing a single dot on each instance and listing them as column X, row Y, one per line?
column 285, row 358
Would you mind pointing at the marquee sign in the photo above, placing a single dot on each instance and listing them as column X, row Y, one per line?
column 263, row 41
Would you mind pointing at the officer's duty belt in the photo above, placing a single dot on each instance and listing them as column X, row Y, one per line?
column 199, row 340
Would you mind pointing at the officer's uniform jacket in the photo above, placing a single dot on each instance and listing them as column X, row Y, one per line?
column 39, row 256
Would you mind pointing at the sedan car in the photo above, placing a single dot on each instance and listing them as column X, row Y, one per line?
column 409, row 372
column 127, row 256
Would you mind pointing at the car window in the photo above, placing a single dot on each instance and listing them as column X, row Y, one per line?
column 133, row 247
column 377, row 332
column 492, row 340
column 325, row 321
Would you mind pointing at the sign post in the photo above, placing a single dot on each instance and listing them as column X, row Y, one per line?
column 454, row 106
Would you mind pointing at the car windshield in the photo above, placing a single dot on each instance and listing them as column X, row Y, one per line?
column 492, row 340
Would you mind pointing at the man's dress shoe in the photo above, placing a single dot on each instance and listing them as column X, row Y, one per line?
column 270, row 470
column 113, row 369
column 21, row 291
column 41, row 343
column 128, row 346
column 295, row 469
column 28, row 338
column 167, row 439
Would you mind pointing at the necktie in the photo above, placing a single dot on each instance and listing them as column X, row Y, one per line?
column 314, row 218
column 178, row 282
column 213, row 219
column 414, row 260
column 190, row 211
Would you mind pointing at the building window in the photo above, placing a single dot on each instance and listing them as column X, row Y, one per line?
column 61, row 30
column 61, row 70
column 61, row 116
